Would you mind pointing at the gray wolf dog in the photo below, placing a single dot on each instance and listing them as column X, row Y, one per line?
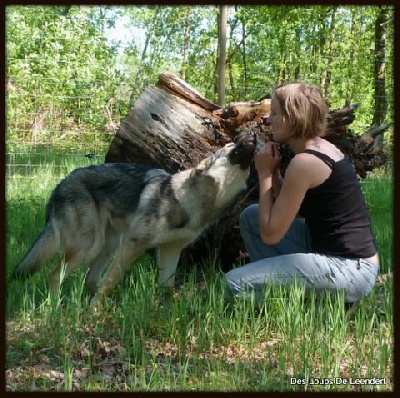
column 116, row 211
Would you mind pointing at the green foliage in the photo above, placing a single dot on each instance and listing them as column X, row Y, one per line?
column 60, row 70
column 65, row 75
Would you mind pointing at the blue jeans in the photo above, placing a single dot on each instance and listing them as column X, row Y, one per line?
column 291, row 259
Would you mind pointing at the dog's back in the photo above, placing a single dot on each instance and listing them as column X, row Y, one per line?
column 88, row 207
column 114, row 186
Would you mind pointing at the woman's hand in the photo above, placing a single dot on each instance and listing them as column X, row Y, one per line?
column 267, row 160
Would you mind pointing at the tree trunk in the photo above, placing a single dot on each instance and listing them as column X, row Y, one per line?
column 143, row 58
column 380, row 92
column 186, row 43
column 332, row 41
column 223, row 11
column 172, row 126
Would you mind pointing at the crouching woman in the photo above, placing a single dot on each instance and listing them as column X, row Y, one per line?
column 331, row 247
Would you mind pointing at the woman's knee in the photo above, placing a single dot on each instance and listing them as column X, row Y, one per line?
column 362, row 281
column 248, row 217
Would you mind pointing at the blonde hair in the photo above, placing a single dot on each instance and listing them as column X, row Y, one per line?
column 303, row 104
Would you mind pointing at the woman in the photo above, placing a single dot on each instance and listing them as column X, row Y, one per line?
column 332, row 248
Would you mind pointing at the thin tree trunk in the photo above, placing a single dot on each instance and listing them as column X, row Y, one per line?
column 232, row 83
column 222, row 55
column 186, row 42
column 380, row 91
column 296, row 71
column 244, row 58
column 322, row 44
column 327, row 75
column 142, row 59
column 351, row 59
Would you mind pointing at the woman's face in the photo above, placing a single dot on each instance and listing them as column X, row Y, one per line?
column 280, row 126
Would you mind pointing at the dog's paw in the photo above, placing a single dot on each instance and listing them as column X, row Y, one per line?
column 98, row 302
column 166, row 296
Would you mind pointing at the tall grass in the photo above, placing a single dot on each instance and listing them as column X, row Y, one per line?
column 379, row 197
column 194, row 342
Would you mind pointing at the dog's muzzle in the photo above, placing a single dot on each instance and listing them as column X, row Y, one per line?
column 244, row 150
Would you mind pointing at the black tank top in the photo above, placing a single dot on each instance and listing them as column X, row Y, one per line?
column 336, row 213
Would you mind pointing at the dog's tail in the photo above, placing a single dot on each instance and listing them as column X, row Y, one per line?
column 45, row 247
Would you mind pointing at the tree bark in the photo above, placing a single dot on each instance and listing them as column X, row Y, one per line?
column 223, row 11
column 170, row 126
column 186, row 43
column 380, row 75
column 332, row 41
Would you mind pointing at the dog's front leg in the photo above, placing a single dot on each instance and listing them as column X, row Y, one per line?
column 167, row 259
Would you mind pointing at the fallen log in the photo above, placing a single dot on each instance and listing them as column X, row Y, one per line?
column 172, row 126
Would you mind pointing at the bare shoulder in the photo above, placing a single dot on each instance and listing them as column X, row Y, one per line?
column 301, row 168
column 308, row 168
column 329, row 149
column 303, row 161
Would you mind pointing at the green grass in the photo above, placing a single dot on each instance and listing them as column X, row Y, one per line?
column 379, row 197
column 194, row 342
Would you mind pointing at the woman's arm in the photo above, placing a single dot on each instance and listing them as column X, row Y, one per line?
column 277, row 181
column 277, row 216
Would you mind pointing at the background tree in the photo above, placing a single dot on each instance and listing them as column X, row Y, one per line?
column 380, row 100
column 222, row 54
column 64, row 74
